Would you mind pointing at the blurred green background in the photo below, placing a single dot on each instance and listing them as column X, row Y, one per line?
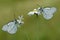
column 34, row 28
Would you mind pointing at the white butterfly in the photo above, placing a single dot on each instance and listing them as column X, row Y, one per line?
column 48, row 12
column 11, row 27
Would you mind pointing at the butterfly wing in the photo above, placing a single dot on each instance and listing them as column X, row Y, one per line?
column 53, row 10
column 5, row 27
column 48, row 12
column 12, row 28
column 47, row 16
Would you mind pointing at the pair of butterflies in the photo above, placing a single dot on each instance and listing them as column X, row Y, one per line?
column 46, row 12
column 11, row 27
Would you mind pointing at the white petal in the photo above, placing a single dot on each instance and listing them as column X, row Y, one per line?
column 20, row 17
column 20, row 21
column 31, row 13
column 39, row 12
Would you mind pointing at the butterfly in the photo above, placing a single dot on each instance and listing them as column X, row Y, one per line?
column 11, row 27
column 47, row 12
